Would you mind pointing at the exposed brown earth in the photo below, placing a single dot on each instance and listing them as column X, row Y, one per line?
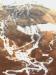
column 37, row 15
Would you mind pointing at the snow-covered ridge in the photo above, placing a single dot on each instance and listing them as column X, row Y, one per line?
column 33, row 29
column 47, row 27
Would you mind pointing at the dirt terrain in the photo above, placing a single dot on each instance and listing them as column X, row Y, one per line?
column 25, row 49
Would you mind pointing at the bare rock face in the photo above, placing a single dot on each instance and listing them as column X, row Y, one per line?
column 1, row 43
column 34, row 14
column 20, row 38
column 44, row 42
column 54, row 42
column 23, row 16
column 53, row 54
column 37, row 53
column 3, row 14
column 31, row 14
